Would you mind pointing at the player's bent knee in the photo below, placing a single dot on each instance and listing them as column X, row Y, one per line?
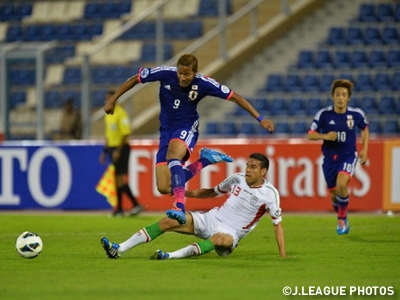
column 164, row 190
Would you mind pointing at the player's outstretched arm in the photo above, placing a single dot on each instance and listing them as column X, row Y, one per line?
column 364, row 150
column 201, row 193
column 280, row 238
column 242, row 102
column 126, row 86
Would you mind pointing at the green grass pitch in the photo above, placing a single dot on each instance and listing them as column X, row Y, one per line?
column 74, row 266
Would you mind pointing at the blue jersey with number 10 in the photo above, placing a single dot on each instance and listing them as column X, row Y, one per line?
column 327, row 120
column 179, row 105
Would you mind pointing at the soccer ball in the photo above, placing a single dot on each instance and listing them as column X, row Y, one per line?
column 29, row 245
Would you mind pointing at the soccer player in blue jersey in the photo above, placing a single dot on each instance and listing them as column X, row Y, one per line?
column 336, row 126
column 181, row 89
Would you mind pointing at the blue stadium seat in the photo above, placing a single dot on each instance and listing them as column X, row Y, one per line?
column 386, row 105
column 7, row 12
column 95, row 29
column 377, row 59
column 358, row 59
column 72, row 76
column 14, row 33
column 390, row 127
column 300, row 128
column 396, row 81
column 374, row 127
column 366, row 13
column 390, row 36
column 347, row 76
column 313, row 105
column 32, row 33
column 22, row 76
column 240, row 112
column 24, row 9
column 92, row 10
column 52, row 99
column 368, row 105
column 17, row 98
column 336, row 36
column 98, row 98
column 48, row 33
column 212, row 128
column 384, row 12
column 396, row 13
column 149, row 52
column 274, row 83
column 393, row 58
column 247, row 128
column 382, row 82
column 282, row 127
column 310, row 83
column 323, row 59
column 228, row 128
column 325, row 82
column 305, row 60
column 364, row 82
column 261, row 104
column 101, row 74
column 209, row 8
column 293, row 83
column 296, row 107
column 109, row 10
column 354, row 36
column 372, row 36
column 278, row 107
column 341, row 59
column 71, row 94
column 64, row 32
column 80, row 32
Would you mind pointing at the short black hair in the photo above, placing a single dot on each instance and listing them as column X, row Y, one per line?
column 264, row 161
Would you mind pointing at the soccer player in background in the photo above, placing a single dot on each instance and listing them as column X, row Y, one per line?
column 117, row 131
column 221, row 228
column 181, row 89
column 336, row 126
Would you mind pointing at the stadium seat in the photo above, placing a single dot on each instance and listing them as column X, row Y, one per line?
column 364, row 82
column 282, row 127
column 390, row 127
column 386, row 105
column 323, row 59
column 300, row 128
column 376, row 59
column 354, row 36
column 372, row 36
column 98, row 98
column 296, row 107
column 382, row 82
column 341, row 60
column 326, row 82
column 368, row 105
column 92, row 10
column 390, row 36
column 247, row 128
column 7, row 12
column 274, row 83
column 32, row 33
column 17, row 98
column 52, row 99
column 14, row 33
column 313, row 105
column 310, row 83
column 396, row 13
column 336, row 36
column 261, row 104
column 393, row 58
column 366, row 13
column 359, row 59
column 212, row 128
column 228, row 128
column 209, row 8
column 48, row 33
column 305, row 60
column 384, row 12
column 278, row 107
column 374, row 127
column 72, row 76
column 293, row 83
column 396, row 81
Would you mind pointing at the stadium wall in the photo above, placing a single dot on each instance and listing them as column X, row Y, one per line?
column 54, row 176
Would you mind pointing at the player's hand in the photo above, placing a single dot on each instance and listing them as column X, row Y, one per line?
column 102, row 158
column 109, row 107
column 331, row 136
column 268, row 125
column 363, row 157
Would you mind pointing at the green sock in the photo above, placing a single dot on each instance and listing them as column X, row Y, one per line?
column 205, row 246
column 153, row 230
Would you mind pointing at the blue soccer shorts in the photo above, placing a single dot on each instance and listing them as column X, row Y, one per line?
column 187, row 134
column 333, row 165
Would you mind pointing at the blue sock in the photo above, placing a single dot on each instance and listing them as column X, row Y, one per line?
column 178, row 182
column 342, row 207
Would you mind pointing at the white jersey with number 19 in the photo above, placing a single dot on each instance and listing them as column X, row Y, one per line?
column 246, row 205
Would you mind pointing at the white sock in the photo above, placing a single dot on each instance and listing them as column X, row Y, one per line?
column 190, row 250
column 138, row 238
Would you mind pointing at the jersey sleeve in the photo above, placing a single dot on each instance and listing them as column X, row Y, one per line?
column 363, row 123
column 150, row 74
column 225, row 186
column 214, row 88
column 274, row 206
